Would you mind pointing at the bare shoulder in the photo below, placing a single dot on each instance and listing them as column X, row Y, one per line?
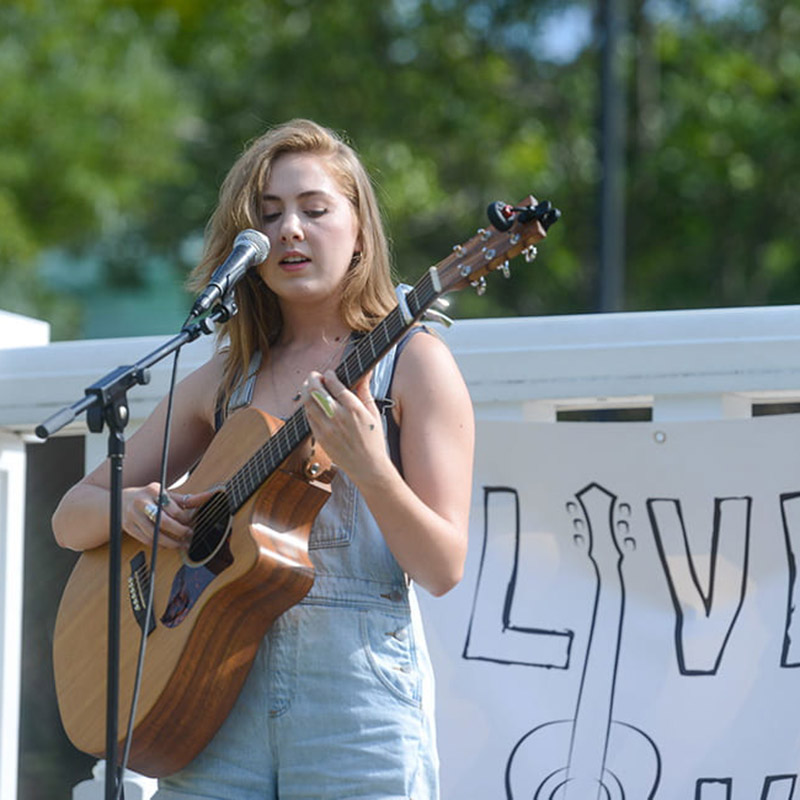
column 427, row 375
column 437, row 427
column 199, row 389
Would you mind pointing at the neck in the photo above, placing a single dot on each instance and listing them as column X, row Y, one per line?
column 305, row 328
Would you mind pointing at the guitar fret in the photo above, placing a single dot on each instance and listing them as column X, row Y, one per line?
column 381, row 333
column 343, row 372
column 424, row 292
column 238, row 493
column 413, row 303
column 267, row 459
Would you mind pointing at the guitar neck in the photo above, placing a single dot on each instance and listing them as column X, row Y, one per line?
column 368, row 350
column 371, row 348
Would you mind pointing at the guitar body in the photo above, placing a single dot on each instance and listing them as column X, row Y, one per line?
column 208, row 620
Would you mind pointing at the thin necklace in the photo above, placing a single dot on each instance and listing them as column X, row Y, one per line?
column 334, row 356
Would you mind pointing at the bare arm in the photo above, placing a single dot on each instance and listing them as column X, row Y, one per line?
column 80, row 521
column 424, row 514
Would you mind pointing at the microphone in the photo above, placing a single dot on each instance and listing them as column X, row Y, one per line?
column 249, row 247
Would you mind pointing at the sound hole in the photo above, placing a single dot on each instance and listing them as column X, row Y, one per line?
column 211, row 525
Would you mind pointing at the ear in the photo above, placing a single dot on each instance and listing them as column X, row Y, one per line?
column 357, row 248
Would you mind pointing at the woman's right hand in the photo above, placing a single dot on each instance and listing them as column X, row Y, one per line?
column 140, row 506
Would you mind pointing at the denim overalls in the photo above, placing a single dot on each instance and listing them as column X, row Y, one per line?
column 339, row 702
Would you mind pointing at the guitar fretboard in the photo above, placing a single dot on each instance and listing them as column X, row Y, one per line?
column 368, row 350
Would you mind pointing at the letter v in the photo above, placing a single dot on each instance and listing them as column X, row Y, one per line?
column 704, row 616
column 790, row 515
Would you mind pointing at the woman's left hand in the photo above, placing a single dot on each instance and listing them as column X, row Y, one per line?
column 347, row 424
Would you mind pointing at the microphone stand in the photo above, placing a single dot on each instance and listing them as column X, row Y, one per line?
column 105, row 401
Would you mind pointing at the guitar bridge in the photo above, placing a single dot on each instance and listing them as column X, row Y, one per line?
column 139, row 591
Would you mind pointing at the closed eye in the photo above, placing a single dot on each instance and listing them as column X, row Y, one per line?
column 313, row 213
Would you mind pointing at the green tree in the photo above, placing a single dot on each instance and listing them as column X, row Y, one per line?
column 129, row 113
column 446, row 110
column 713, row 200
column 93, row 121
column 156, row 99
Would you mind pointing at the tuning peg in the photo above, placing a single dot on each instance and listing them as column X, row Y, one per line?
column 480, row 286
column 548, row 214
column 530, row 253
column 501, row 215
column 505, row 268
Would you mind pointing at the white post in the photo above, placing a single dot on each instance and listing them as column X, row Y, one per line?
column 136, row 787
column 15, row 331
column 12, row 495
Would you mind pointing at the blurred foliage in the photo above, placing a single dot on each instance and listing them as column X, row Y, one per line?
column 714, row 151
column 90, row 126
column 121, row 118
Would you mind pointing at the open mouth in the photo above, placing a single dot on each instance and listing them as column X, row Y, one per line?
column 294, row 260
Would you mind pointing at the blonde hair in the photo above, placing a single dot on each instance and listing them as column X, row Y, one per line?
column 367, row 292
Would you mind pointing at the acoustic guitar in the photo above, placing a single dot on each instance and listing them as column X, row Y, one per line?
column 248, row 558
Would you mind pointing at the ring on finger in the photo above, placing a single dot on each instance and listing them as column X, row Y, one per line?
column 325, row 402
column 150, row 511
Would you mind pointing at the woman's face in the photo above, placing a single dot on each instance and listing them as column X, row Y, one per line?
column 312, row 228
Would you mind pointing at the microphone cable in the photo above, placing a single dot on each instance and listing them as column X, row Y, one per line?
column 151, row 588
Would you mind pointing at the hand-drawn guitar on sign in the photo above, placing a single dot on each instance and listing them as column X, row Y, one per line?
column 248, row 559
column 593, row 756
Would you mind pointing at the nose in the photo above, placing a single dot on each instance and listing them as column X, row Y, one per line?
column 291, row 227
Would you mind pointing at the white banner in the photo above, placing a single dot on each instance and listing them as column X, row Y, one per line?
column 625, row 627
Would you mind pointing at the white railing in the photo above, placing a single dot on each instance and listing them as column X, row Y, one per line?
column 523, row 367
column 684, row 365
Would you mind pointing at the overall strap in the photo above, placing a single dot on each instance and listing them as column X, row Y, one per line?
column 242, row 394
column 381, row 385
column 382, row 394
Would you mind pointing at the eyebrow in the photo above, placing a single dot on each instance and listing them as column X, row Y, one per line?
column 303, row 195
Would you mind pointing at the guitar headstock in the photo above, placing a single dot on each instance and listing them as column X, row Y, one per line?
column 513, row 230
